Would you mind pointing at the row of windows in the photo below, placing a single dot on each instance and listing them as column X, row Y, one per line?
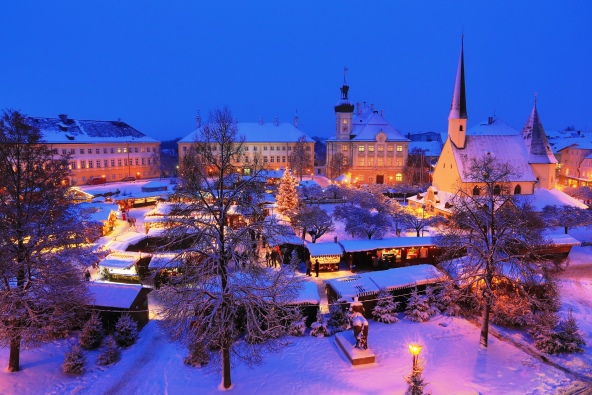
column 379, row 148
column 115, row 176
column 256, row 148
column 111, row 150
column 106, row 162
column 273, row 159
column 361, row 178
column 379, row 162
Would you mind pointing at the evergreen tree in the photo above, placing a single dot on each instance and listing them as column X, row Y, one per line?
column 386, row 308
column 110, row 355
column 417, row 307
column 126, row 331
column 320, row 328
column 569, row 335
column 91, row 335
column 287, row 197
column 553, row 338
column 74, row 361
column 338, row 318
column 432, row 299
column 447, row 297
column 415, row 382
column 298, row 327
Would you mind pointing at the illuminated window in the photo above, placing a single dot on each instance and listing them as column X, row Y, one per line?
column 380, row 148
column 370, row 148
column 399, row 148
column 344, row 148
column 399, row 161
column 399, row 177
column 361, row 148
column 380, row 162
column 370, row 161
column 361, row 161
column 119, row 150
column 389, row 148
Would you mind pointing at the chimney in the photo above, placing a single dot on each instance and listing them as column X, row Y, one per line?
column 382, row 113
column 198, row 120
column 63, row 118
column 490, row 120
column 372, row 107
column 296, row 120
column 275, row 121
column 359, row 105
column 260, row 120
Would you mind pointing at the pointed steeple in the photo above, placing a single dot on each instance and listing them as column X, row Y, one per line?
column 535, row 138
column 458, row 108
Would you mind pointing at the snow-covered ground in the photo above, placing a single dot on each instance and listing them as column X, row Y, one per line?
column 454, row 362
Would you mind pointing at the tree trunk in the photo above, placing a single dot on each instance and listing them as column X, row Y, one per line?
column 226, row 367
column 565, row 229
column 417, row 232
column 485, row 324
column 15, row 351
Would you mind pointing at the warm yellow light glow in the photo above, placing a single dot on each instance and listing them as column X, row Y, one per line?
column 415, row 349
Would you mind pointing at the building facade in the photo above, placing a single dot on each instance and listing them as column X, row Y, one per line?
column 271, row 143
column 372, row 151
column 576, row 164
column 101, row 151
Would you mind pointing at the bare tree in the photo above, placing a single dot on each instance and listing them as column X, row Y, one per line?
column 418, row 220
column 301, row 157
column 567, row 216
column 338, row 165
column 224, row 300
column 313, row 220
column 491, row 240
column 41, row 288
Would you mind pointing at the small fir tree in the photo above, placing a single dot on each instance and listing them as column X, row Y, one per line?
column 320, row 328
column 415, row 382
column 74, row 361
column 110, row 355
column 91, row 335
column 569, row 335
column 386, row 308
column 432, row 299
column 126, row 331
column 447, row 297
column 198, row 355
column 298, row 327
column 338, row 319
column 287, row 197
column 417, row 307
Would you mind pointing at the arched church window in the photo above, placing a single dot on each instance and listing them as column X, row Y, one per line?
column 497, row 190
column 517, row 190
column 476, row 191
column 460, row 129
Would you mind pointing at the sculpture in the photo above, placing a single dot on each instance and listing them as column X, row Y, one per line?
column 359, row 324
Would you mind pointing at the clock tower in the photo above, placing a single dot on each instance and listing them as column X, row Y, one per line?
column 344, row 110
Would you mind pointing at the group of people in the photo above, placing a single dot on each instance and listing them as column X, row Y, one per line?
column 272, row 257
column 317, row 267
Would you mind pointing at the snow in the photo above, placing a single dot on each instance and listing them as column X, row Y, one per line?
column 551, row 197
column 261, row 133
column 388, row 243
column 309, row 294
column 113, row 295
column 120, row 260
column 122, row 242
column 320, row 249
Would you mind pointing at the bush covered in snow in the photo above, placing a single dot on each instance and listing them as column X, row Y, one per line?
column 510, row 310
column 417, row 307
column 110, row 354
column 298, row 327
column 198, row 355
column 447, row 299
column 320, row 328
column 431, row 295
column 74, row 361
column 555, row 339
column 386, row 308
column 338, row 318
column 91, row 335
column 126, row 331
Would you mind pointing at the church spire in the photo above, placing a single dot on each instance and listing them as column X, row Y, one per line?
column 458, row 108
column 535, row 138
column 457, row 119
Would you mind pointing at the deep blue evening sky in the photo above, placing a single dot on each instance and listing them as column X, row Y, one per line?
column 155, row 63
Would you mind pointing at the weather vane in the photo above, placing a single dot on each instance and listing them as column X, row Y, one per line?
column 344, row 73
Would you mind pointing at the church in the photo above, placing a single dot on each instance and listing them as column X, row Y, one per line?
column 528, row 152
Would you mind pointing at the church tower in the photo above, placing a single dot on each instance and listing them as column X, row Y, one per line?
column 344, row 110
column 540, row 155
column 457, row 119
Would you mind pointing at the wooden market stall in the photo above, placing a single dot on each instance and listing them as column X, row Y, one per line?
column 328, row 254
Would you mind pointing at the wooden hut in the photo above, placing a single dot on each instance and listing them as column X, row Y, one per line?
column 113, row 300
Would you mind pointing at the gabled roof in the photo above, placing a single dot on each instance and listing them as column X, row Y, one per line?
column 492, row 126
column 255, row 132
column 505, row 148
column 368, row 123
column 64, row 130
column 538, row 147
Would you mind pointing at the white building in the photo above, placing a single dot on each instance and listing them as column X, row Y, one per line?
column 101, row 150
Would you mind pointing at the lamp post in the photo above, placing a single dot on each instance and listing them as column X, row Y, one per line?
column 415, row 349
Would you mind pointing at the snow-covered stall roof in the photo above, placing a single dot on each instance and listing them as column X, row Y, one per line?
column 309, row 294
column 394, row 242
column 122, row 242
column 113, row 295
column 160, row 261
column 370, row 283
column 153, row 186
column 563, row 240
column 323, row 249
column 120, row 260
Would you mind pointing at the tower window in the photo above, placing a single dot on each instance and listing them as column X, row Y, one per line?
column 476, row 191
column 460, row 128
column 517, row 190
column 497, row 190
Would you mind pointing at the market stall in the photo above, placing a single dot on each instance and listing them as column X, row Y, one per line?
column 328, row 255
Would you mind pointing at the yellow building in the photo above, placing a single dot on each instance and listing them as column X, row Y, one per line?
column 272, row 142
column 101, row 151
column 576, row 162
column 372, row 150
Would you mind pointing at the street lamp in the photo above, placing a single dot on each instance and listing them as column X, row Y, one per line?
column 415, row 349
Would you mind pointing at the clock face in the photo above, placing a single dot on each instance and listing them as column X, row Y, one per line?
column 345, row 128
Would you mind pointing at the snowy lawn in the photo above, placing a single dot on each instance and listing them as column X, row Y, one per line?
column 454, row 365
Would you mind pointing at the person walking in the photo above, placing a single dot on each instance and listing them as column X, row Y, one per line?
column 308, row 266
column 317, row 267
column 267, row 258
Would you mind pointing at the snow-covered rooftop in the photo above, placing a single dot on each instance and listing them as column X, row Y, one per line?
column 309, row 294
column 120, row 260
column 73, row 131
column 122, row 242
column 113, row 295
column 320, row 249
column 255, row 132
column 394, row 242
